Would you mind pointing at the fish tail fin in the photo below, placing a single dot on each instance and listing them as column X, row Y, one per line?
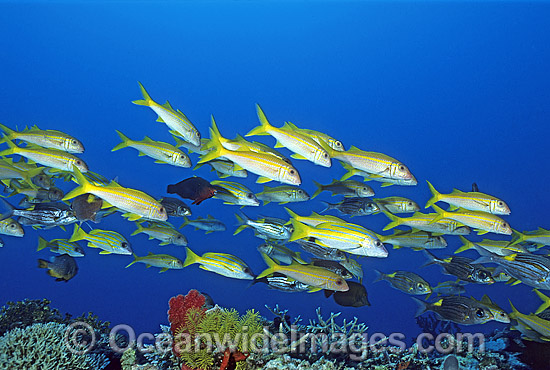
column 485, row 255
column 136, row 258
column 6, row 209
column 271, row 266
column 327, row 205
column 43, row 264
column 124, row 144
column 440, row 213
column 185, row 222
column 78, row 234
column 216, row 136
column 146, row 98
column 435, row 195
column 467, row 244
column 190, row 258
column 216, row 144
column 546, row 302
column 422, row 306
column 264, row 124
column 431, row 259
column 319, row 189
column 137, row 230
column 379, row 276
column 518, row 237
column 8, row 131
column 12, row 148
column 291, row 213
column 42, row 243
column 242, row 220
column 84, row 186
column 395, row 220
column 300, row 231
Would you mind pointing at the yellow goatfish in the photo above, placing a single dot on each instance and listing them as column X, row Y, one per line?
column 482, row 222
column 51, row 139
column 473, row 201
column 267, row 166
column 303, row 146
column 135, row 202
column 179, row 124
column 319, row 136
column 54, row 158
column 376, row 164
column 317, row 277
column 162, row 152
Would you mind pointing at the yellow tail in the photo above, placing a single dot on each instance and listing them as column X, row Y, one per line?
column 435, row 195
column 264, row 124
column 146, row 98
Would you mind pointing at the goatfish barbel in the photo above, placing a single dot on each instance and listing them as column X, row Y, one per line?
column 178, row 122
column 135, row 202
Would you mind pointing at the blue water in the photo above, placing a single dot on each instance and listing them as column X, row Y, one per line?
column 459, row 92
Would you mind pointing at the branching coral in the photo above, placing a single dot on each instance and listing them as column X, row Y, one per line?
column 43, row 346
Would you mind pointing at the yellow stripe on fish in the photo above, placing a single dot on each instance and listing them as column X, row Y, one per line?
column 136, row 202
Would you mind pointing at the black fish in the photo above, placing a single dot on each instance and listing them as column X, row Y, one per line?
column 175, row 207
column 194, row 188
column 463, row 268
column 86, row 207
column 356, row 296
column 63, row 267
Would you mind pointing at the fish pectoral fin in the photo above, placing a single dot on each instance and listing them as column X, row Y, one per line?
column 481, row 232
column 164, row 243
column 141, row 154
column 160, row 120
column 163, row 269
column 131, row 216
column 104, row 252
column 297, row 156
column 161, row 162
column 263, row 180
column 279, row 145
column 204, row 267
column 313, row 289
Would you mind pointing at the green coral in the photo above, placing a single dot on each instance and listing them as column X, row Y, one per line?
column 219, row 329
column 44, row 346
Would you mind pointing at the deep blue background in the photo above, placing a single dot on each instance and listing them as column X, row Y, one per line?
column 458, row 92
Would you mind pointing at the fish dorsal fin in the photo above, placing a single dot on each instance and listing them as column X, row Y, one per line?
column 210, row 217
column 456, row 191
column 150, row 254
column 486, row 300
column 167, row 105
column 147, row 139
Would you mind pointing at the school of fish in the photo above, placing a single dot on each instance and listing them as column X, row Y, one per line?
column 34, row 159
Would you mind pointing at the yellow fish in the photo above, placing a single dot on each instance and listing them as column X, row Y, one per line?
column 481, row 221
column 179, row 124
column 51, row 139
column 135, row 202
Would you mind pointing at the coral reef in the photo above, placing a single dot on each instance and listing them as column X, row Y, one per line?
column 27, row 312
column 44, row 346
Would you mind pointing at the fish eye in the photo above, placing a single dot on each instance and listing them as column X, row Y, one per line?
column 247, row 270
column 162, row 210
column 292, row 172
column 402, row 168
column 74, row 141
column 480, row 312
column 124, row 244
column 504, row 224
column 325, row 155
column 12, row 226
column 483, row 275
column 378, row 243
column 500, row 203
column 338, row 282
column 78, row 162
column 249, row 196
column 338, row 143
column 410, row 203
column 300, row 191
column 420, row 286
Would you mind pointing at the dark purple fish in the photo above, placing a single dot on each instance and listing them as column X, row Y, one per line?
column 86, row 207
column 194, row 188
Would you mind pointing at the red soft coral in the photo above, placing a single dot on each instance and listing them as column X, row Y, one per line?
column 180, row 305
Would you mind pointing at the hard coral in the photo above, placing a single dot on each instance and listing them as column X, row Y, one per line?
column 27, row 312
column 177, row 314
